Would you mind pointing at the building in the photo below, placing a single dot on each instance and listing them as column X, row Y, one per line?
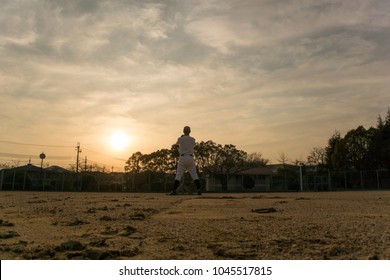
column 247, row 180
column 31, row 177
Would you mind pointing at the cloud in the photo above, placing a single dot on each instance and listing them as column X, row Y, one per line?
column 250, row 73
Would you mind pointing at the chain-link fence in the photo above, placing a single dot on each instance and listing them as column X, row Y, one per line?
column 293, row 180
column 44, row 180
column 298, row 180
column 334, row 180
column 357, row 180
column 32, row 180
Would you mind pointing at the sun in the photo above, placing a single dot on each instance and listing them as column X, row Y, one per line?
column 119, row 140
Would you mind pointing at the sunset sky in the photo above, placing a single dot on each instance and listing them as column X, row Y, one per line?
column 267, row 76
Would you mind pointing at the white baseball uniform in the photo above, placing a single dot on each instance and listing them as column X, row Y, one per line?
column 186, row 160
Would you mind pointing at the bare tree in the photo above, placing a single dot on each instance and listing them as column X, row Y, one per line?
column 283, row 158
column 317, row 156
column 255, row 160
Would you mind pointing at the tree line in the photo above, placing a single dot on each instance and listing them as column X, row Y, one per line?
column 359, row 149
column 211, row 157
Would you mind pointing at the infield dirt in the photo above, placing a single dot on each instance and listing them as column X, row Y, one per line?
column 273, row 226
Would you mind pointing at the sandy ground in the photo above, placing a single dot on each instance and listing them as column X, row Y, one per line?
column 273, row 226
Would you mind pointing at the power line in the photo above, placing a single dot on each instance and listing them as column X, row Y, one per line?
column 36, row 145
column 120, row 159
column 54, row 158
column 14, row 155
column 34, row 156
column 60, row 146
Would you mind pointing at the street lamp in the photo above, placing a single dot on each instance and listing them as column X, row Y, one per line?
column 42, row 156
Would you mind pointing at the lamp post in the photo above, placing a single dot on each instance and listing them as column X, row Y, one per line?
column 42, row 156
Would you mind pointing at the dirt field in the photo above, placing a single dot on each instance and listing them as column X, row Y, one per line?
column 336, row 225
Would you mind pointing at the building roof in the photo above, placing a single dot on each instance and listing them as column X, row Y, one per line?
column 30, row 167
column 256, row 171
column 27, row 167
column 56, row 168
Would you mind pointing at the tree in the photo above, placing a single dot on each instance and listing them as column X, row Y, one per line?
column 4, row 166
column 206, row 155
column 283, row 158
column 317, row 157
column 253, row 160
column 384, row 133
column 339, row 156
column 134, row 163
column 361, row 148
column 330, row 150
column 161, row 161
column 223, row 160
column 352, row 151
column 228, row 161
column 134, row 166
column 356, row 144
column 373, row 157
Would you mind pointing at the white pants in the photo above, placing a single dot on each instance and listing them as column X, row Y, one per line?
column 186, row 163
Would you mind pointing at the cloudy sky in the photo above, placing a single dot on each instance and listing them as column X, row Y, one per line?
column 275, row 77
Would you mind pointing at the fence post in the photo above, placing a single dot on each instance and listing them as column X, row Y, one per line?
column 285, row 181
column 13, row 180
column 98, row 179
column 1, row 179
column 43, row 180
column 345, row 180
column 377, row 179
column 227, row 182
column 300, row 178
column 165, row 182
column 149, row 182
column 24, row 179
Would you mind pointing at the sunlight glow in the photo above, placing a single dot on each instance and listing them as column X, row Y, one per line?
column 119, row 140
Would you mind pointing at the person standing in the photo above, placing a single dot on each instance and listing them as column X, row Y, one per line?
column 186, row 160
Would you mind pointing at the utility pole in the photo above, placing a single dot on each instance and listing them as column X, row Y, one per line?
column 85, row 164
column 77, row 167
column 77, row 158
